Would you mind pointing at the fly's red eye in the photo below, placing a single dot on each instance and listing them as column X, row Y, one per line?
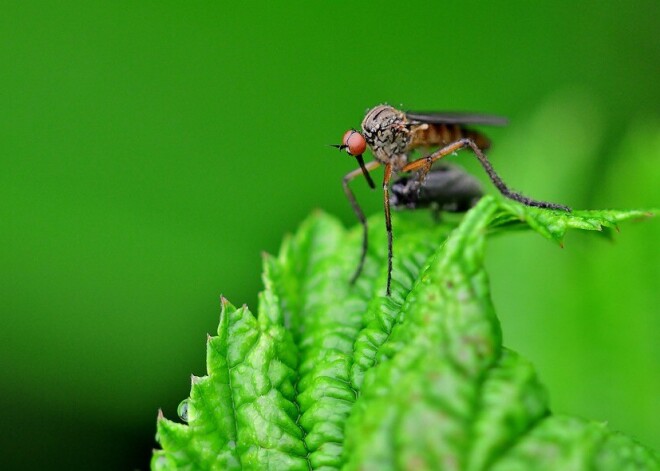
column 354, row 142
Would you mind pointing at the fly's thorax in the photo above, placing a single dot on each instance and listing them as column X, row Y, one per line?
column 386, row 131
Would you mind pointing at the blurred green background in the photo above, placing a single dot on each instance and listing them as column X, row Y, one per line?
column 150, row 151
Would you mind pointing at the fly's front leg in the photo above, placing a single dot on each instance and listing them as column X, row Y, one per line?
column 358, row 211
column 423, row 165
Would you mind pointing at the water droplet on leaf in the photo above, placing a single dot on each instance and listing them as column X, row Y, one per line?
column 182, row 410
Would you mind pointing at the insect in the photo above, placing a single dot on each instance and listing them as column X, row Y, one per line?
column 392, row 135
column 446, row 188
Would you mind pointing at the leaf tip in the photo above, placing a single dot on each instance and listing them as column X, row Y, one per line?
column 160, row 416
column 195, row 379
column 318, row 212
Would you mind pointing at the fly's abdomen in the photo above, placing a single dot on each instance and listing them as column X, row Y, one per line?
column 438, row 135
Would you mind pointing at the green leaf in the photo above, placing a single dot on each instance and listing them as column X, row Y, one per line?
column 553, row 224
column 243, row 413
column 333, row 376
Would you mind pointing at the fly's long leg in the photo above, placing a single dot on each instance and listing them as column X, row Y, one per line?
column 388, row 223
column 358, row 211
column 423, row 165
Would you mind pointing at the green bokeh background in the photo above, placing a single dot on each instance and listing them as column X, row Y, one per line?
column 150, row 151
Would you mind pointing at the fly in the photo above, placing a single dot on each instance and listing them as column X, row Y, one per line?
column 392, row 135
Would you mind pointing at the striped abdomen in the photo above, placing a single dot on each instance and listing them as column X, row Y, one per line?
column 438, row 135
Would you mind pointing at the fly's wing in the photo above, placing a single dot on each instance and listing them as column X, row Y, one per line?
column 440, row 117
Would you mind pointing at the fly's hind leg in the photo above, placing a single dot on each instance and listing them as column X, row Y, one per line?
column 423, row 165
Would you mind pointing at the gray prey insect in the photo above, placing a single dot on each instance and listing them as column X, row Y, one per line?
column 392, row 135
column 446, row 188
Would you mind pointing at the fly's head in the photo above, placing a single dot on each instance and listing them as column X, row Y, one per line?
column 353, row 143
column 387, row 132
